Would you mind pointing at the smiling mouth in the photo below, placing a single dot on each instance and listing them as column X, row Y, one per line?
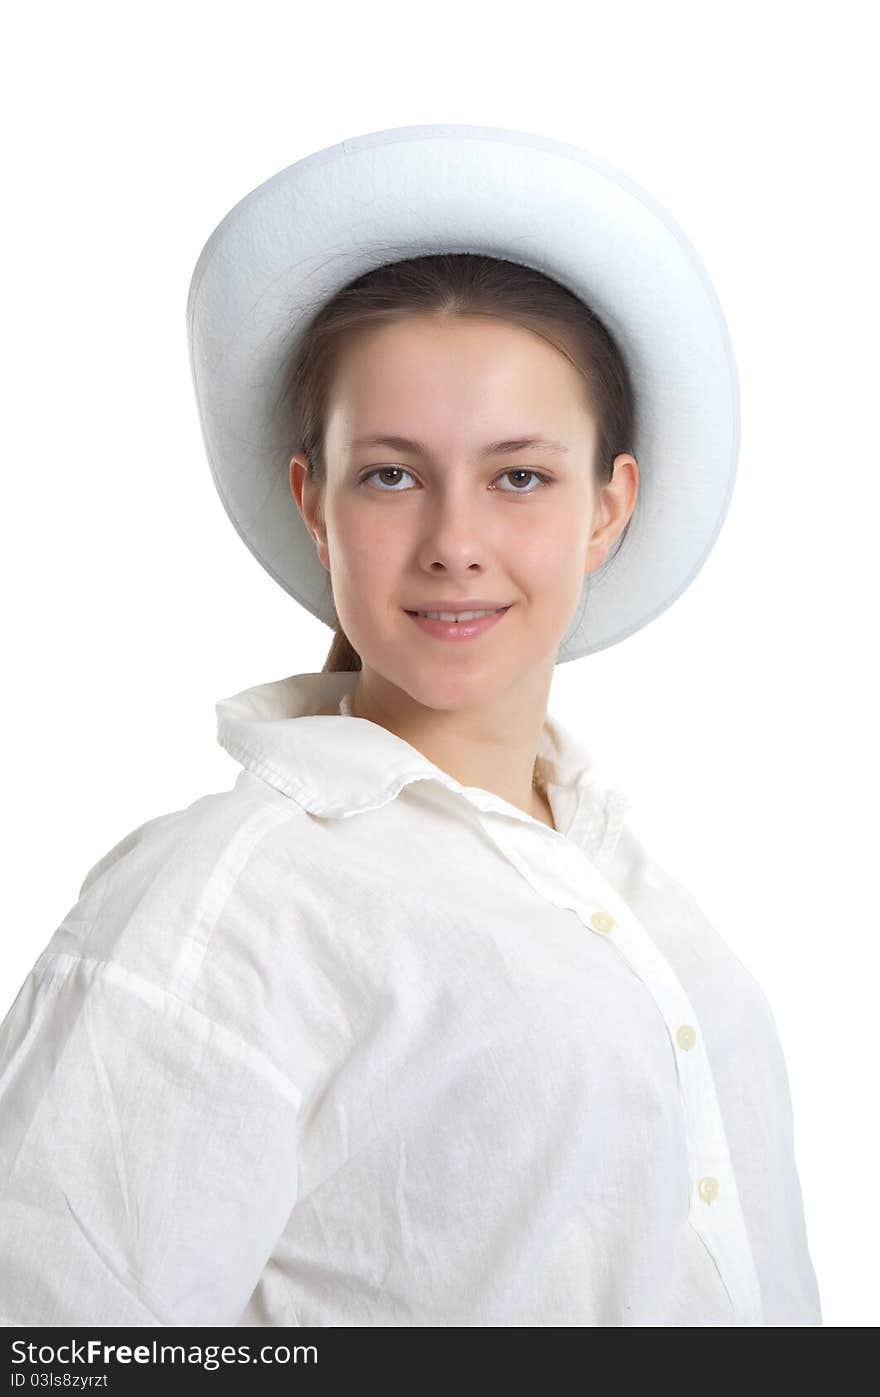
column 455, row 616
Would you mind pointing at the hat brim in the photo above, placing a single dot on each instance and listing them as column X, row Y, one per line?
column 291, row 243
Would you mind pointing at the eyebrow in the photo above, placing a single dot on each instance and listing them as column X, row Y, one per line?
column 493, row 448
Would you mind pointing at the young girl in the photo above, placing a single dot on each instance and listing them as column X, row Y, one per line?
column 407, row 1027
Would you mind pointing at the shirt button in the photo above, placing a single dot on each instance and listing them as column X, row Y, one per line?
column 602, row 921
column 708, row 1189
column 686, row 1036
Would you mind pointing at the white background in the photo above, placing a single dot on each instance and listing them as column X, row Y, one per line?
column 742, row 722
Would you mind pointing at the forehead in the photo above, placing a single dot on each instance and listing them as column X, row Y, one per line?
column 426, row 379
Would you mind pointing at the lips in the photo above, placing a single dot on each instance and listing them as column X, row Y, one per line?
column 465, row 604
column 459, row 631
column 472, row 613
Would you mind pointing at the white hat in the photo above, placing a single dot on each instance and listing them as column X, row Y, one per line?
column 290, row 244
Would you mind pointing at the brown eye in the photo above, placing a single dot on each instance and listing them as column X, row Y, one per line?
column 527, row 472
column 386, row 470
column 522, row 473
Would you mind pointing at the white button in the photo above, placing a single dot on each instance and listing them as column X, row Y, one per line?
column 686, row 1036
column 707, row 1188
column 602, row 921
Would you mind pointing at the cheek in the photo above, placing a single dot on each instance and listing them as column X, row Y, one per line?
column 362, row 546
column 550, row 561
column 549, row 567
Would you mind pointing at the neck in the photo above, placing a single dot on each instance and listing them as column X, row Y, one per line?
column 492, row 747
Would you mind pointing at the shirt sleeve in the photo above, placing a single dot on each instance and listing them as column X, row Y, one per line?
column 147, row 1154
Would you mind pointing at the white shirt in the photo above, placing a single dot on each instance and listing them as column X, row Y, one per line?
column 353, row 1044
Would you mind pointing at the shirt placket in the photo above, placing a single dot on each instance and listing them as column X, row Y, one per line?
column 566, row 877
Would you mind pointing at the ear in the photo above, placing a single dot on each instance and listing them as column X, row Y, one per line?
column 309, row 496
column 615, row 502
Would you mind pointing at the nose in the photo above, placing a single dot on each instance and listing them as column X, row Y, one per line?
column 454, row 531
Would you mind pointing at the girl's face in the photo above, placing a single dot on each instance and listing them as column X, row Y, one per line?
column 459, row 516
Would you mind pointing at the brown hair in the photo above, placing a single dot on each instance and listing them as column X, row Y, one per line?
column 458, row 284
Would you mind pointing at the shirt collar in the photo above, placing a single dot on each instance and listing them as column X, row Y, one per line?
column 298, row 734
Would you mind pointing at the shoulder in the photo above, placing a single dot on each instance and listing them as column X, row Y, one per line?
column 655, row 893
column 699, row 951
column 736, row 1012
column 154, row 903
column 210, row 914
column 184, row 841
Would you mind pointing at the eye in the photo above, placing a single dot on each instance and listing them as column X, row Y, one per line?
column 380, row 470
column 514, row 470
column 522, row 470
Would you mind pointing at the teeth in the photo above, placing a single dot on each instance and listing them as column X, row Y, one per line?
column 458, row 615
